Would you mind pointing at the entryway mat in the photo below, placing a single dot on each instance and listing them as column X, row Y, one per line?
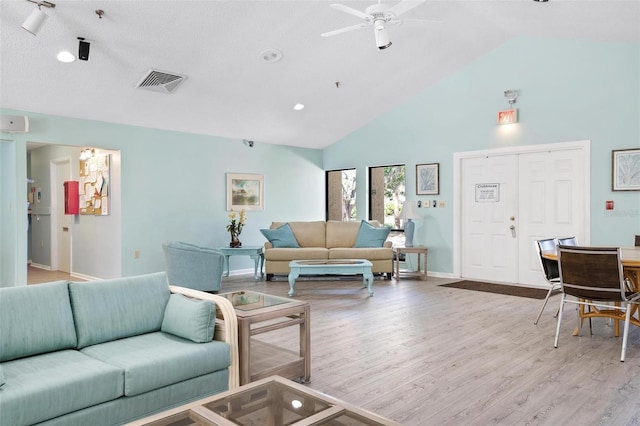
column 509, row 290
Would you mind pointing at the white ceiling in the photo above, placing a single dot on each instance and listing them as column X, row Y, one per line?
column 231, row 92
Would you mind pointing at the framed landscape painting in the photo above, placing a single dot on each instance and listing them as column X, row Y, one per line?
column 245, row 191
column 625, row 170
column 428, row 179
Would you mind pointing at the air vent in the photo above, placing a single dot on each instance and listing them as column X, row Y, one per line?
column 161, row 81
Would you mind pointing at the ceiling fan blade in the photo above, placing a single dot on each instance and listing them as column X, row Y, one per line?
column 345, row 29
column 350, row 10
column 404, row 6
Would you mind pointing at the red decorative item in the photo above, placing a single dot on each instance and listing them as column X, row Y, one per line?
column 71, row 197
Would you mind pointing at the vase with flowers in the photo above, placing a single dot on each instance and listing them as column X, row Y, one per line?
column 235, row 227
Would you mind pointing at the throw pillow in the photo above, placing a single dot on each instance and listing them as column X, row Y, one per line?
column 281, row 237
column 370, row 236
column 2, row 380
column 190, row 319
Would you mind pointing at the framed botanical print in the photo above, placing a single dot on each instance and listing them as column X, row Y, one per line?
column 428, row 179
column 625, row 170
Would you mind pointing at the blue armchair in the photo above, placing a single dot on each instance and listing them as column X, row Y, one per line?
column 191, row 266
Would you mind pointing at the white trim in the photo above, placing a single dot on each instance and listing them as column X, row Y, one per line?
column 584, row 145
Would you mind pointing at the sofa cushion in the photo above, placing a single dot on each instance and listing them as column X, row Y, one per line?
column 281, row 237
column 371, row 253
column 370, row 236
column 308, row 234
column 2, row 379
column 35, row 319
column 154, row 360
column 190, row 319
column 289, row 254
column 118, row 308
column 46, row 386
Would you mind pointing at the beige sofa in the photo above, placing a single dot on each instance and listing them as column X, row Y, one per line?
column 326, row 240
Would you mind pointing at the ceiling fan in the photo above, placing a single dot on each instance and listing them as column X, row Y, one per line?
column 379, row 15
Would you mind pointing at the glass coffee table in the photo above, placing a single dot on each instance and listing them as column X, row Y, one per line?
column 260, row 313
column 271, row 401
column 331, row 267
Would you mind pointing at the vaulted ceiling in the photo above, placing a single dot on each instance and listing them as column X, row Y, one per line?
column 231, row 91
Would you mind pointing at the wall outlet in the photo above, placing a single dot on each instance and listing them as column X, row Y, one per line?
column 136, row 254
column 441, row 204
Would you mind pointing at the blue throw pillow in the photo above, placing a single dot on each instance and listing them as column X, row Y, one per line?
column 281, row 237
column 370, row 236
column 189, row 318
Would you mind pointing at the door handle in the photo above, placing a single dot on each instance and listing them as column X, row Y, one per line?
column 513, row 230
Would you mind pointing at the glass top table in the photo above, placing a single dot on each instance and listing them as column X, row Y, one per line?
column 271, row 401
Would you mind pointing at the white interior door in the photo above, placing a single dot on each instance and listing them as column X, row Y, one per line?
column 489, row 249
column 61, row 243
column 510, row 199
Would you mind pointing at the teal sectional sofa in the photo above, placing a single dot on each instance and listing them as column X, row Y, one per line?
column 109, row 352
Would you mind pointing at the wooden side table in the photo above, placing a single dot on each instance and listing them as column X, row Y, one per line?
column 260, row 313
column 420, row 250
column 254, row 252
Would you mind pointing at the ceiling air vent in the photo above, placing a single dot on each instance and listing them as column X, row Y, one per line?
column 161, row 81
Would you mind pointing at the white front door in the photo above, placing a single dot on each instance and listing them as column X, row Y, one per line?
column 510, row 199
column 489, row 249
column 551, row 204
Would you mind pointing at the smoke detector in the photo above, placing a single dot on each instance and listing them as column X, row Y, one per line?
column 161, row 81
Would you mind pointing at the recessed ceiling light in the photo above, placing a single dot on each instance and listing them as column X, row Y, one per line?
column 66, row 57
column 271, row 56
column 298, row 107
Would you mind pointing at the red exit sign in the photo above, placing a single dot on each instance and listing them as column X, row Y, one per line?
column 508, row 116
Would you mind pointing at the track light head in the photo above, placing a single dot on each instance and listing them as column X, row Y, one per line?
column 37, row 18
column 35, row 21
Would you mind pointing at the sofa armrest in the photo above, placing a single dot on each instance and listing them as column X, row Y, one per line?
column 229, row 325
column 268, row 245
column 388, row 244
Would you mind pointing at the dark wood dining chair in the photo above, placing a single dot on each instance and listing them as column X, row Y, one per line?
column 594, row 277
column 550, row 270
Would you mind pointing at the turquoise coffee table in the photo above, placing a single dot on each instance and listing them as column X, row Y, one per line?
column 331, row 267
column 254, row 252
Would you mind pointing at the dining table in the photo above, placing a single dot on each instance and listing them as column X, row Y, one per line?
column 630, row 259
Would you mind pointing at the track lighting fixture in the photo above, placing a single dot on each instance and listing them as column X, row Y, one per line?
column 37, row 18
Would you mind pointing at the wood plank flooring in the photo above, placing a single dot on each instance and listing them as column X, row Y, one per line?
column 427, row 355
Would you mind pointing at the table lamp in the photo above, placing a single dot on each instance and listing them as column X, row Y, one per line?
column 409, row 211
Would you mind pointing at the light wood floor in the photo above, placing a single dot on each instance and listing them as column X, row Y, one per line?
column 38, row 276
column 421, row 354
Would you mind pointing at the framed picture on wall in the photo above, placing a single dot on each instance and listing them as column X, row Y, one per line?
column 625, row 170
column 428, row 179
column 245, row 191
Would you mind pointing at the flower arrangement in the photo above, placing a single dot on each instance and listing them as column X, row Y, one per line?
column 235, row 227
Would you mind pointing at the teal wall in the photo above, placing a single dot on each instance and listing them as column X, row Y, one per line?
column 173, row 184
column 173, row 188
column 569, row 91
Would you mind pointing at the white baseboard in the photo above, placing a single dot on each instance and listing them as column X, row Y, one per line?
column 39, row 266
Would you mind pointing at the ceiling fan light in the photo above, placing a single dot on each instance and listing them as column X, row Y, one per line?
column 35, row 21
column 382, row 38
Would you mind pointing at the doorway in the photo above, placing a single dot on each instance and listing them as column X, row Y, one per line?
column 508, row 198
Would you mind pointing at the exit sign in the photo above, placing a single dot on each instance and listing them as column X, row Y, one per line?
column 508, row 116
